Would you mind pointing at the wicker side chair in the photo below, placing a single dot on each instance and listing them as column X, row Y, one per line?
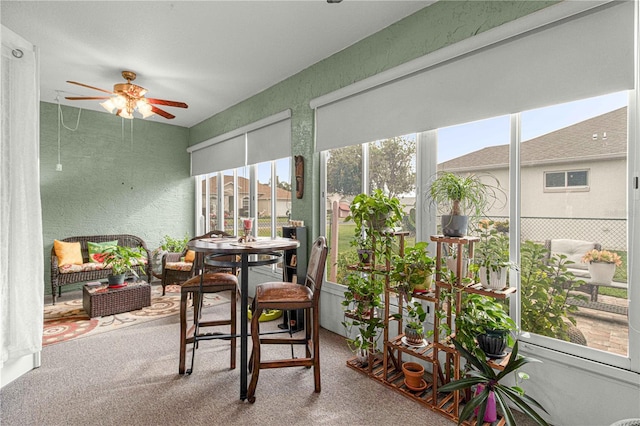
column 177, row 271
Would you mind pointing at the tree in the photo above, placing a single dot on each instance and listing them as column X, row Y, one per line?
column 392, row 166
column 344, row 169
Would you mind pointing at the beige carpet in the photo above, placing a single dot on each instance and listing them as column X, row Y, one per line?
column 67, row 319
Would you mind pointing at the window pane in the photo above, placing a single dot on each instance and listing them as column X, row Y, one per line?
column 283, row 193
column 229, row 199
column 344, row 181
column 578, row 178
column 243, row 195
column 554, row 180
column 264, row 199
column 213, row 201
column 590, row 137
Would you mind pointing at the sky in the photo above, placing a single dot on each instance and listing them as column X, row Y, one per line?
column 495, row 131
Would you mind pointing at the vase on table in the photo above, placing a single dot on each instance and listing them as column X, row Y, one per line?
column 602, row 272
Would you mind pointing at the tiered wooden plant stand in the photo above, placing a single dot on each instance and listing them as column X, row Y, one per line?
column 441, row 359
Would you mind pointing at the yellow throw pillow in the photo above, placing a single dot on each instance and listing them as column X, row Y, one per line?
column 67, row 253
column 190, row 257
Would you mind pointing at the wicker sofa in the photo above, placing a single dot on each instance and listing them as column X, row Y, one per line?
column 60, row 277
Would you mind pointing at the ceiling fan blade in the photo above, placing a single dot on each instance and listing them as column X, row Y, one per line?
column 162, row 113
column 91, row 98
column 167, row 103
column 90, row 87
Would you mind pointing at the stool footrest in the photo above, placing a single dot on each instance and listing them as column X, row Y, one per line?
column 296, row 362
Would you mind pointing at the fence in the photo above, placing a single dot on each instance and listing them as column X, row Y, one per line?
column 610, row 233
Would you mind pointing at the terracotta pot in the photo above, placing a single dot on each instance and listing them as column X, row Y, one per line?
column 413, row 373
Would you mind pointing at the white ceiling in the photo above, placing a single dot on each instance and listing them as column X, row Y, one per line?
column 209, row 54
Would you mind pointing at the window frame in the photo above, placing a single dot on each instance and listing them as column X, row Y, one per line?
column 566, row 187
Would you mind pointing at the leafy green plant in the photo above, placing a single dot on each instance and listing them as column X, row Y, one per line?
column 373, row 215
column 174, row 245
column 122, row 259
column 492, row 251
column 417, row 315
column 412, row 269
column 478, row 315
column 361, row 301
column 545, row 287
column 481, row 373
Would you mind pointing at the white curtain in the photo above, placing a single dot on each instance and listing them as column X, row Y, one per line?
column 21, row 247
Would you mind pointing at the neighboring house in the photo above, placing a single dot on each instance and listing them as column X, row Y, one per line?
column 575, row 172
column 283, row 197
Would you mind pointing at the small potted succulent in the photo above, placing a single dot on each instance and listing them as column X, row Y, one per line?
column 121, row 260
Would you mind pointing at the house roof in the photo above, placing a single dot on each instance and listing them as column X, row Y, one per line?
column 569, row 144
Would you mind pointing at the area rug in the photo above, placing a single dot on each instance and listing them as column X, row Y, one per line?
column 68, row 320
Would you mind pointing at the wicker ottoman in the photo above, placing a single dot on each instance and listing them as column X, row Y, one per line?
column 108, row 301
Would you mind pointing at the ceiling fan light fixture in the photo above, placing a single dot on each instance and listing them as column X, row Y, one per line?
column 124, row 114
column 144, row 108
column 108, row 105
column 120, row 102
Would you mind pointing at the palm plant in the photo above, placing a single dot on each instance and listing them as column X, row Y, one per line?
column 483, row 374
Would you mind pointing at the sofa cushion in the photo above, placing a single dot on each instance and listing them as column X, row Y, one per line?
column 67, row 253
column 98, row 249
column 190, row 256
column 85, row 267
column 178, row 266
column 573, row 249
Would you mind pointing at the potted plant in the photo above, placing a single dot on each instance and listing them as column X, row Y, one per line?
column 483, row 326
column 602, row 265
column 487, row 381
column 414, row 328
column 413, row 271
column 167, row 245
column 491, row 257
column 374, row 215
column 460, row 198
column 362, row 299
column 121, row 259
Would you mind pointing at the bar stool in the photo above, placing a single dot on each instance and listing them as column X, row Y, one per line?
column 212, row 283
column 290, row 296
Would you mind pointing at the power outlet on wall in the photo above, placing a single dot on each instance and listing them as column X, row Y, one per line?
column 58, row 167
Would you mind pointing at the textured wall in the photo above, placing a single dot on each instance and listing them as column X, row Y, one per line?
column 111, row 183
column 442, row 24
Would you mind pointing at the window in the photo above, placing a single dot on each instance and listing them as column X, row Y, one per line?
column 592, row 209
column 388, row 164
column 575, row 179
column 225, row 213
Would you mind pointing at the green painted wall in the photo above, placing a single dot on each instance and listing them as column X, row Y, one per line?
column 432, row 28
column 111, row 182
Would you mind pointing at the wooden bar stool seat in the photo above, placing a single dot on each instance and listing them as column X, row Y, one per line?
column 289, row 296
column 212, row 283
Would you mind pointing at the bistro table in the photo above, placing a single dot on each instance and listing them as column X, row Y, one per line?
column 262, row 251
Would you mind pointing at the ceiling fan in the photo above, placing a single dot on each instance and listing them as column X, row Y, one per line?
column 127, row 98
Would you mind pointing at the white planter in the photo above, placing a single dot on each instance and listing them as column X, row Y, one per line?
column 452, row 265
column 493, row 279
column 602, row 272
